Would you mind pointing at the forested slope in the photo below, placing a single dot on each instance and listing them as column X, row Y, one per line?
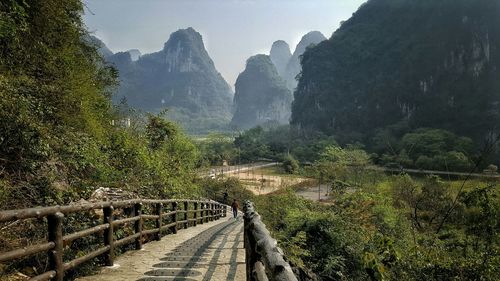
column 57, row 138
column 429, row 63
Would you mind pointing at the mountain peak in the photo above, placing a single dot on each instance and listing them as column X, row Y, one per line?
column 188, row 36
column 280, row 55
column 313, row 37
column 182, row 77
column 293, row 67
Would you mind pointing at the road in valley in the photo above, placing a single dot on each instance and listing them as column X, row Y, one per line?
column 226, row 170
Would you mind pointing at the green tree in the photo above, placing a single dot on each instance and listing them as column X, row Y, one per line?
column 290, row 165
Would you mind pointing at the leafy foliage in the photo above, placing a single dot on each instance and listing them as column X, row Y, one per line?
column 387, row 231
column 290, row 165
column 424, row 148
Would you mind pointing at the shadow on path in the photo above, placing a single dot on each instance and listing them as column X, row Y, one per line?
column 184, row 260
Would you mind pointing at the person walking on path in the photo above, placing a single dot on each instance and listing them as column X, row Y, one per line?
column 235, row 206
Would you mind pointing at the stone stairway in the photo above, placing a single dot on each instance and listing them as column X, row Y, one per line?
column 211, row 251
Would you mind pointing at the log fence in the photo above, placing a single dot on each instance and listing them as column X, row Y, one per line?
column 264, row 259
column 191, row 213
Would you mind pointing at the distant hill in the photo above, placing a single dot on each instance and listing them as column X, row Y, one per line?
column 280, row 56
column 293, row 66
column 261, row 95
column 426, row 63
column 181, row 77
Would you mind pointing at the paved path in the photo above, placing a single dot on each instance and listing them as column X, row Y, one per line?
column 210, row 251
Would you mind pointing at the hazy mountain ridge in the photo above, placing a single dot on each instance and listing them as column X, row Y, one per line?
column 102, row 49
column 293, row 67
column 261, row 95
column 427, row 63
column 181, row 76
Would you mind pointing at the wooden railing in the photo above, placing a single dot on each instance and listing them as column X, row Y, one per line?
column 179, row 213
column 264, row 259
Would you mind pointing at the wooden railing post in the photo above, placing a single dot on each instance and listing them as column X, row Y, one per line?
column 138, row 226
column 159, row 220
column 216, row 211
column 211, row 211
column 202, row 217
column 108, row 236
column 195, row 216
column 207, row 206
column 174, row 217
column 54, row 223
column 225, row 210
column 186, row 207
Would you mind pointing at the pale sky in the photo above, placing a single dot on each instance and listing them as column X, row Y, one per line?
column 232, row 30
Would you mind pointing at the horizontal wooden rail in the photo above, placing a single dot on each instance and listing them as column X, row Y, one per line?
column 86, row 232
column 31, row 250
column 264, row 259
column 165, row 214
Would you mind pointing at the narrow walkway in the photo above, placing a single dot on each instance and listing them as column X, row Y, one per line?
column 210, row 251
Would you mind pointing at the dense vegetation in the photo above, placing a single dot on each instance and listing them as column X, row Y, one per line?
column 382, row 227
column 57, row 143
column 394, row 147
column 429, row 63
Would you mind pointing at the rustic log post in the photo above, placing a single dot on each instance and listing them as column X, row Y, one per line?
column 195, row 216
column 207, row 212
column 108, row 236
column 225, row 211
column 159, row 220
column 248, row 249
column 186, row 217
column 211, row 211
column 266, row 257
column 202, row 217
column 217, row 213
column 54, row 223
column 138, row 226
column 174, row 217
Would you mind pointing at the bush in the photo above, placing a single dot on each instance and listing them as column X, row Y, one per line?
column 290, row 165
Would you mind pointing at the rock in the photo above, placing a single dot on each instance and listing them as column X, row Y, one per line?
column 111, row 194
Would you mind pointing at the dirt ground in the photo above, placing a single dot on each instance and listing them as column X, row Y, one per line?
column 260, row 182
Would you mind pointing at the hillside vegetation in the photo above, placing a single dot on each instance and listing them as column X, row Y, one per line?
column 429, row 63
column 57, row 141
